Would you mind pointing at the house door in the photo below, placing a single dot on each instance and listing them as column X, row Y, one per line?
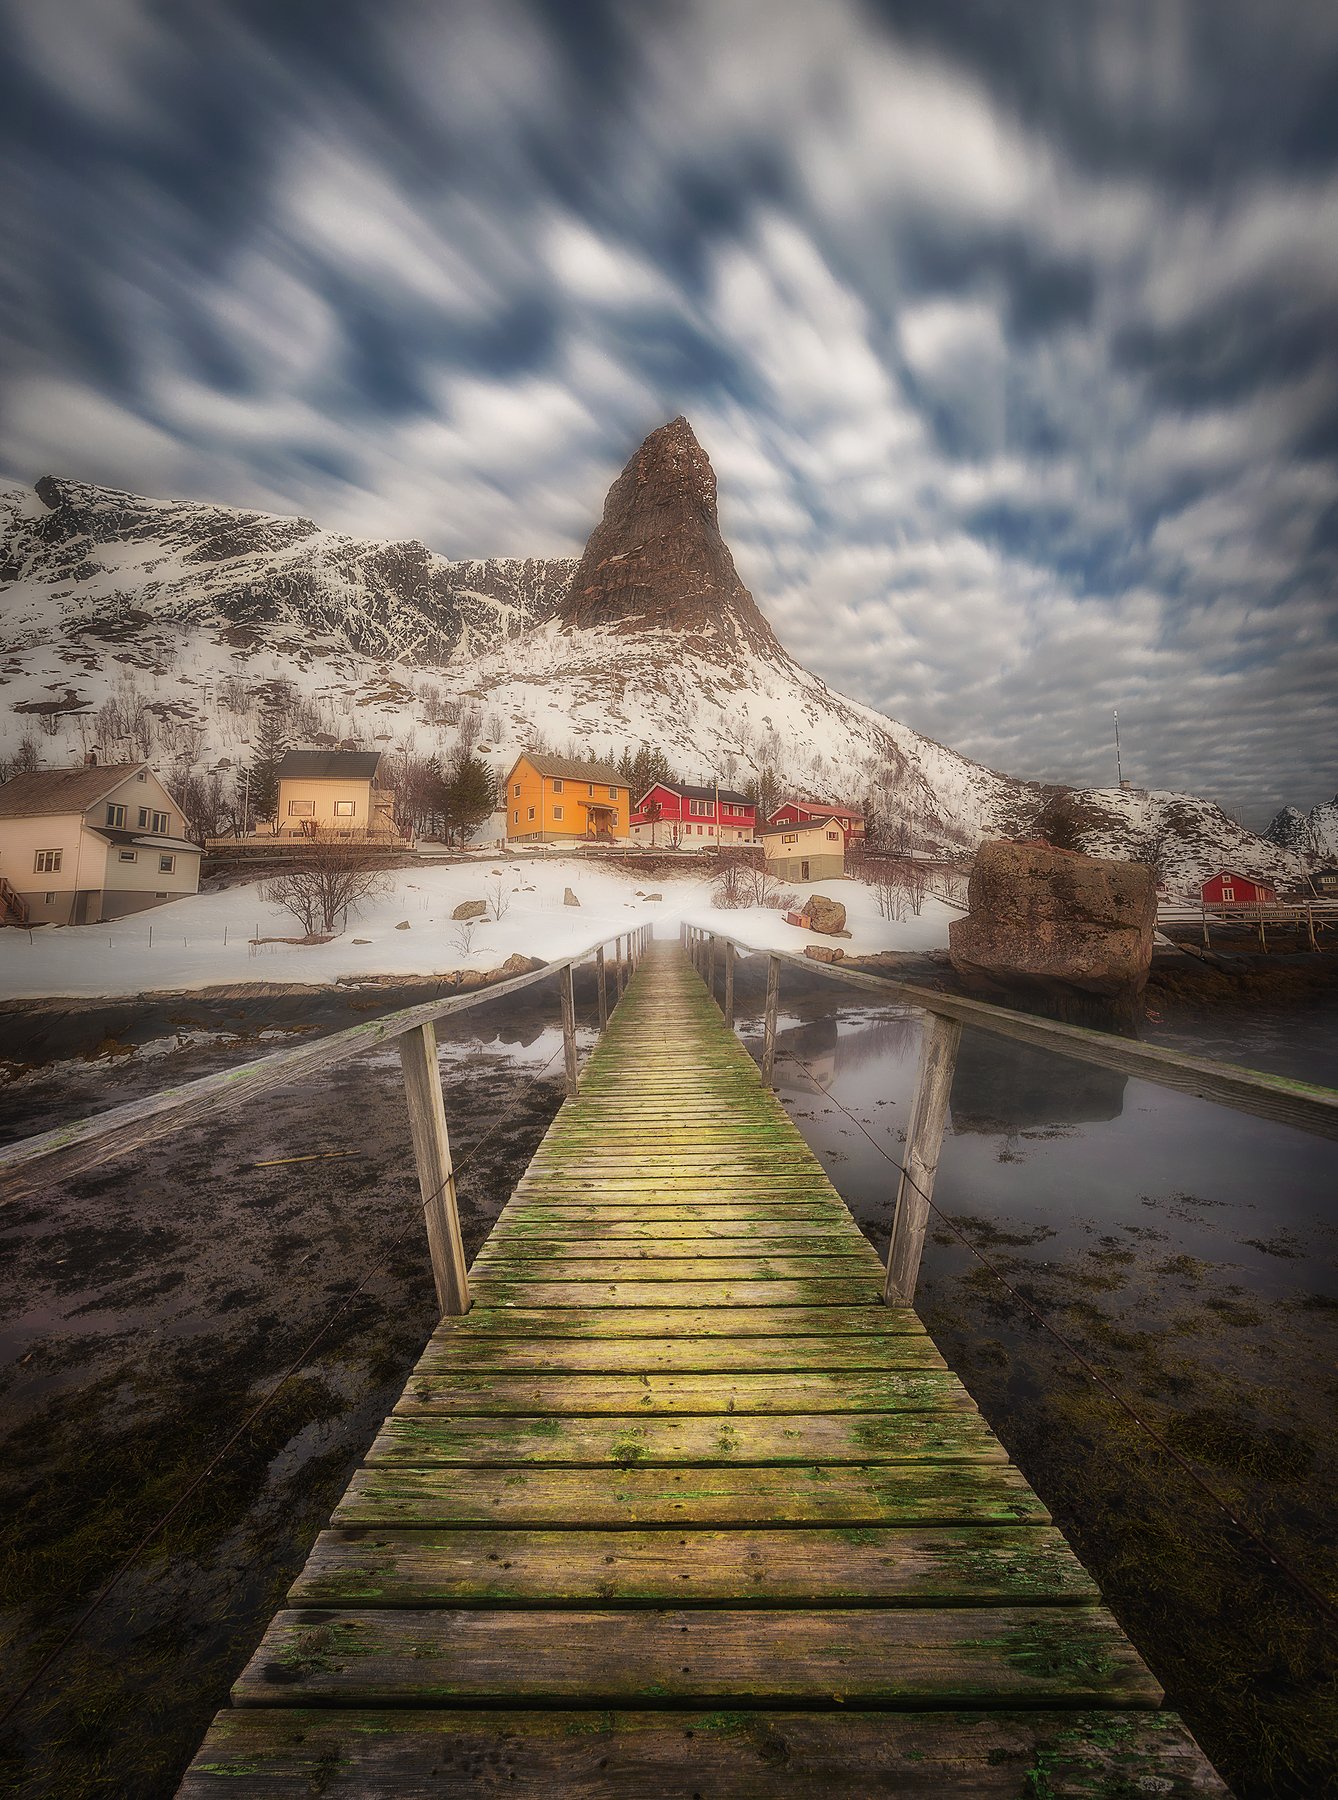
column 803, row 871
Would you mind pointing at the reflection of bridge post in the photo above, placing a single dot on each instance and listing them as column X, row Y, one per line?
column 924, row 1140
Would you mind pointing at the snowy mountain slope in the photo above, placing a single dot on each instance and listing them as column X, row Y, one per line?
column 99, row 560
column 1310, row 834
column 159, row 628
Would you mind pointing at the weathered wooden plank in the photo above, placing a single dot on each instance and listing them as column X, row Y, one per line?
column 965, row 1493
column 578, row 1441
column 850, row 1390
column 532, row 1228
column 1011, row 1655
column 871, row 1321
column 432, row 1158
column 738, row 1754
column 953, row 1566
column 835, row 1265
column 757, row 1355
column 490, row 1290
column 929, row 1118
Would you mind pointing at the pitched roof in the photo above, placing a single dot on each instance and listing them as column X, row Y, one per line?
column 142, row 840
column 44, row 791
column 826, row 807
column 329, row 765
column 799, row 825
column 731, row 795
column 567, row 768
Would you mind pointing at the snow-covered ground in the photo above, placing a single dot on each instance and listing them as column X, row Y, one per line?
column 207, row 940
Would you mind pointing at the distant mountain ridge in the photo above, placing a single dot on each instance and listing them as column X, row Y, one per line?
column 172, row 620
column 1310, row 834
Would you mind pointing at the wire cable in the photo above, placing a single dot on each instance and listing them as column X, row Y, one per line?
column 1298, row 1580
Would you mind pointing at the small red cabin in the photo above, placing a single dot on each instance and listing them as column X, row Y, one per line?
column 697, row 817
column 807, row 812
column 1226, row 889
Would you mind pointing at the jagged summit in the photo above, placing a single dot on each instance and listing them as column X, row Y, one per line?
column 657, row 559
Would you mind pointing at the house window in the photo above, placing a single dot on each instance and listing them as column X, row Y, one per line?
column 166, row 865
column 163, row 896
column 557, row 784
column 531, row 812
column 833, row 837
column 158, row 823
column 515, row 817
column 50, row 898
column 116, row 817
column 1228, row 893
column 345, row 809
column 129, row 856
column 141, row 776
column 515, row 791
column 143, row 817
column 613, row 793
column 789, row 837
column 301, row 809
column 557, row 812
column 47, row 862
column 590, row 790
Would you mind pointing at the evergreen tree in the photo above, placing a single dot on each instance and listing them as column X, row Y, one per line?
column 644, row 767
column 258, row 783
column 468, row 795
column 765, row 792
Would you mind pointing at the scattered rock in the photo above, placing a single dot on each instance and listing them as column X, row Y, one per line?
column 521, row 965
column 362, row 940
column 568, row 898
column 403, row 925
column 1059, row 926
column 824, row 953
column 471, row 909
column 652, row 896
column 826, row 916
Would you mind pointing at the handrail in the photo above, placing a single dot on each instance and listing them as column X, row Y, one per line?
column 83, row 1144
column 1306, row 1105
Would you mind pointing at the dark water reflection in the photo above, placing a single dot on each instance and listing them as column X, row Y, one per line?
column 1187, row 1252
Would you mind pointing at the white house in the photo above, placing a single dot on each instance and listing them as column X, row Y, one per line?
column 81, row 845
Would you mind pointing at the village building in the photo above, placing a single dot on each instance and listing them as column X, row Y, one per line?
column 1226, row 889
column 677, row 817
column 796, row 811
column 79, row 846
column 560, row 799
column 1325, row 883
column 812, row 851
column 334, row 792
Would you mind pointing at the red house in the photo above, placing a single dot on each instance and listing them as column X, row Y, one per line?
column 808, row 812
column 699, row 818
column 1226, row 889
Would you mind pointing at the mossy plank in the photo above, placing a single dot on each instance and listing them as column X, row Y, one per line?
column 281, row 1753
column 838, row 1264
column 893, row 1566
column 494, row 1291
column 606, row 1356
column 894, row 1656
column 872, row 1321
column 548, row 1394
column 425, row 1439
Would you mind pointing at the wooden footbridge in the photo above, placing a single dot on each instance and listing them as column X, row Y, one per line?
column 676, row 1504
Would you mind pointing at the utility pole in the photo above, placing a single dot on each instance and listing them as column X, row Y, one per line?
column 1119, row 772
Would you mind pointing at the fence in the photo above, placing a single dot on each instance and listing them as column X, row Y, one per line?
column 1275, row 1097
column 87, row 1143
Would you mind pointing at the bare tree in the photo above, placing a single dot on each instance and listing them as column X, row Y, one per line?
column 329, row 879
column 498, row 898
column 742, row 880
column 463, row 936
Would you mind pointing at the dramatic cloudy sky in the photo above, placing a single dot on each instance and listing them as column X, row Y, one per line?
column 1011, row 328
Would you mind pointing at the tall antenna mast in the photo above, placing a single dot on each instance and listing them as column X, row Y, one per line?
column 1119, row 772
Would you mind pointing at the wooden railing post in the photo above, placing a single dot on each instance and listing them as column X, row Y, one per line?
column 568, row 994
column 769, row 1020
column 436, row 1179
column 729, row 983
column 710, row 964
column 617, row 969
column 924, row 1140
column 601, row 984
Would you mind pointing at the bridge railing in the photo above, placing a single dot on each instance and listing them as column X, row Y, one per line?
column 1276, row 1097
column 84, row 1144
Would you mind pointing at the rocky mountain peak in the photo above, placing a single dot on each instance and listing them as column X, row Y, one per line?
column 657, row 559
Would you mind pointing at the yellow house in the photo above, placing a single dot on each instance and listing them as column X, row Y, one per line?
column 334, row 791
column 812, row 851
column 96, row 842
column 550, row 799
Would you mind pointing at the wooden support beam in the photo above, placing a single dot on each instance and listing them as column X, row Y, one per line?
column 568, row 1030
column 710, row 965
column 729, row 983
column 929, row 1117
column 617, row 969
column 769, row 1020
column 601, row 984
column 432, row 1153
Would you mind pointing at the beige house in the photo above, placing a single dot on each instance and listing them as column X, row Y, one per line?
column 78, row 846
column 334, row 791
column 812, row 851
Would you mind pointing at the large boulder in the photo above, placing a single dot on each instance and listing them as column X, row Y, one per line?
column 826, row 916
column 568, row 898
column 824, row 953
column 471, row 909
column 1071, row 932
